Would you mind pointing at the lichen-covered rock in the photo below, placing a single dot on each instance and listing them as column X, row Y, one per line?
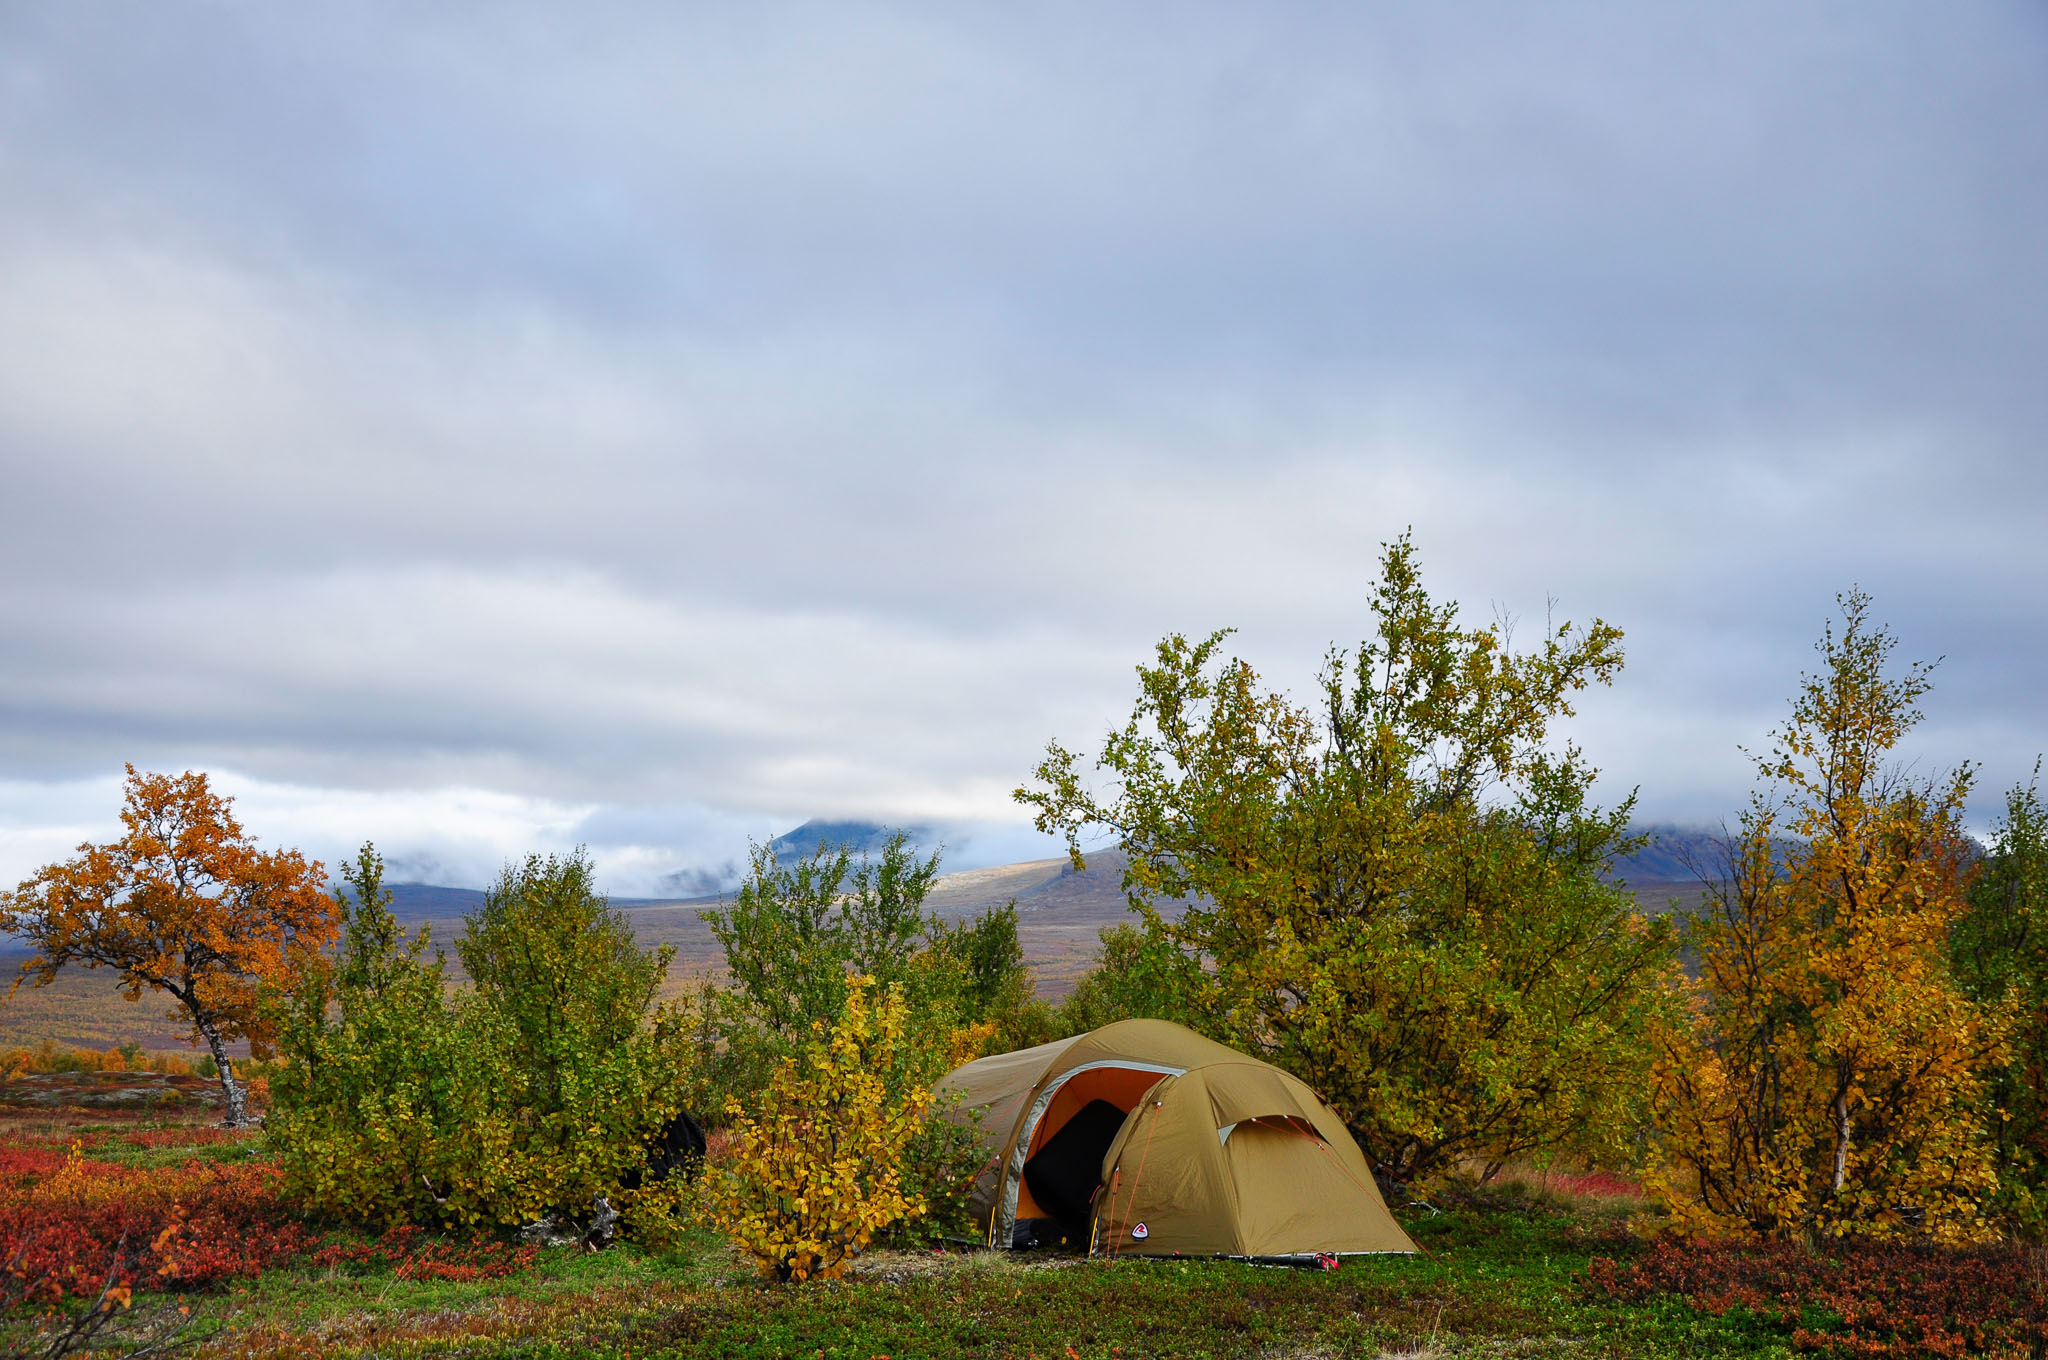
column 596, row 1228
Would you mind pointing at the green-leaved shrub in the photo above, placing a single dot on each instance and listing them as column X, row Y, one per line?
column 795, row 935
column 2002, row 965
column 380, row 1115
column 535, row 1089
column 588, row 1060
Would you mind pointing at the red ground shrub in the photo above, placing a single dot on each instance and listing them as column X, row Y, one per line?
column 62, row 1214
column 415, row 1256
column 27, row 1160
column 1862, row 1301
column 1593, row 1184
column 191, row 1135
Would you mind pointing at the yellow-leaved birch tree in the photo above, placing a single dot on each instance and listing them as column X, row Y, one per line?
column 1830, row 1080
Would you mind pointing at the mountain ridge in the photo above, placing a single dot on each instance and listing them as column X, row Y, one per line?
column 1060, row 910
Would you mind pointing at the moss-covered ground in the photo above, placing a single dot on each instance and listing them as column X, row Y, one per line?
column 1496, row 1281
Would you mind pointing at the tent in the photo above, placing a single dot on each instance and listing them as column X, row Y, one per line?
column 1143, row 1137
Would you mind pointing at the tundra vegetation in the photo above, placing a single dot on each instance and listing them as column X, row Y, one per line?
column 1806, row 1118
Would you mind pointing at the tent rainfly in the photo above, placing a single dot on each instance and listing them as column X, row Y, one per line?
column 1144, row 1138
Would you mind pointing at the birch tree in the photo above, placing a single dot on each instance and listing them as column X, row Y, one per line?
column 1831, row 1081
column 1397, row 891
column 184, row 903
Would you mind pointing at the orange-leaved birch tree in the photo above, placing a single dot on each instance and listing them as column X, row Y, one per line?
column 1830, row 1082
column 183, row 903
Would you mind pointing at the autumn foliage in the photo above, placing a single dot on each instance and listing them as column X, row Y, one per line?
column 183, row 903
column 50, row 1056
column 1885, row 1301
column 63, row 1213
column 1830, row 1081
column 816, row 1170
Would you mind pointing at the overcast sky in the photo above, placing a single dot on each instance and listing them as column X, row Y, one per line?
column 496, row 428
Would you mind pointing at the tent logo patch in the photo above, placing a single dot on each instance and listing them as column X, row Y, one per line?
column 1140, row 1231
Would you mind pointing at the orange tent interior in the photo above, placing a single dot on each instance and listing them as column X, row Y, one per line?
column 1122, row 1087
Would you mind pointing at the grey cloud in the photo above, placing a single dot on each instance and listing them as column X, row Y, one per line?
column 810, row 410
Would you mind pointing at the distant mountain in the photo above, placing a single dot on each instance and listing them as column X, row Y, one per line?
column 1059, row 911
column 1686, row 855
column 430, row 902
column 1674, row 854
column 859, row 837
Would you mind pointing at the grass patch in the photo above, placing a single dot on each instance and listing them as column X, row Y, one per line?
column 1508, row 1269
column 1493, row 1282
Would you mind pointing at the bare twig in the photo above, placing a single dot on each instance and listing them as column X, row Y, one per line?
column 110, row 1320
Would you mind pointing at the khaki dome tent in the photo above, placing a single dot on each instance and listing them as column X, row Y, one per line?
column 1144, row 1137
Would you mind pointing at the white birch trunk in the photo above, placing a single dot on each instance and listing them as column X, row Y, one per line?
column 237, row 1099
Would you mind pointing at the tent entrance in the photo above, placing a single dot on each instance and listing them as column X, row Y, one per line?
column 1061, row 1178
column 1066, row 1135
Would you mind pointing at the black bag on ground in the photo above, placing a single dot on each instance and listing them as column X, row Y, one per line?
column 1064, row 1174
